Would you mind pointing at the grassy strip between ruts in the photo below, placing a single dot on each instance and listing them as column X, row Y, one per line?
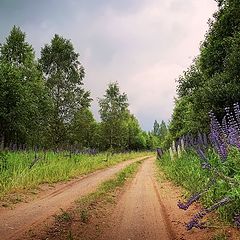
column 109, row 185
column 88, row 206
column 16, row 175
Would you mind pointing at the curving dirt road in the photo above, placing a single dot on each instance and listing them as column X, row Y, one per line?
column 14, row 223
column 140, row 213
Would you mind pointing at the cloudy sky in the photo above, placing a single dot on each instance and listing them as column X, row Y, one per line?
column 143, row 44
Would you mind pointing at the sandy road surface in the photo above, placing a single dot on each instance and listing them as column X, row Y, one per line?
column 140, row 213
column 15, row 222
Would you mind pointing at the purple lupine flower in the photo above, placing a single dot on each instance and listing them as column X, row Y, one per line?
column 195, row 197
column 201, row 154
column 225, row 125
column 236, row 108
column 195, row 221
column 233, row 137
column 200, row 139
column 205, row 163
column 191, row 141
column 221, row 203
column 159, row 153
column 191, row 200
column 231, row 126
column 217, row 137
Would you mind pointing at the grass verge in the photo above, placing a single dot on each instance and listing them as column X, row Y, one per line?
column 17, row 175
column 187, row 172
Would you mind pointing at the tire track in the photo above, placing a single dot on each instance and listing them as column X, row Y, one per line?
column 140, row 213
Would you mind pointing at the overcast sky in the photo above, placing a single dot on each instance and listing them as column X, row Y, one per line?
column 143, row 44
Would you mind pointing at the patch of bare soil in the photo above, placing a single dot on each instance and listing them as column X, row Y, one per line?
column 15, row 222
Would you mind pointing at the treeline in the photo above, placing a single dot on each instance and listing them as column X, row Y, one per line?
column 43, row 102
column 212, row 82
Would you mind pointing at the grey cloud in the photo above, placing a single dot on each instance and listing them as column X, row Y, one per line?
column 142, row 44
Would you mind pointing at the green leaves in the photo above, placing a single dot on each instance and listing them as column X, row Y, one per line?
column 212, row 81
column 64, row 77
column 16, row 50
column 23, row 96
column 114, row 104
column 84, row 129
column 113, row 112
column 44, row 103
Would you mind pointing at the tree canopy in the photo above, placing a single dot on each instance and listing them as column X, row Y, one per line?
column 43, row 101
column 212, row 81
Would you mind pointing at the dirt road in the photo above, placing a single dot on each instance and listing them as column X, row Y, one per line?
column 145, row 208
column 15, row 222
column 140, row 213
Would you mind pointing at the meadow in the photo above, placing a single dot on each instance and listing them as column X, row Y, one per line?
column 24, row 170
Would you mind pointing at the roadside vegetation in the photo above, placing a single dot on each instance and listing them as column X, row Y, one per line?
column 186, row 170
column 18, row 173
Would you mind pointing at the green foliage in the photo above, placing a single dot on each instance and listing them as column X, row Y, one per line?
column 114, row 104
column 134, row 134
column 212, row 81
column 158, row 134
column 44, row 103
column 63, row 217
column 24, row 98
column 84, row 129
column 220, row 236
column 64, row 76
column 156, row 128
column 186, row 120
column 16, row 50
column 113, row 112
column 84, row 216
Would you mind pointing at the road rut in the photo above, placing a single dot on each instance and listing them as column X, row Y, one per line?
column 140, row 213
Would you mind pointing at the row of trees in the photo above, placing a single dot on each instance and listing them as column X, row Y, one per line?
column 212, row 82
column 43, row 102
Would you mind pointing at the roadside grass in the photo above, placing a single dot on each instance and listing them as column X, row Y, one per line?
column 187, row 172
column 17, row 175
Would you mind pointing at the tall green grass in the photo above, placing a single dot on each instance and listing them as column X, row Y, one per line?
column 16, row 175
column 186, row 171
